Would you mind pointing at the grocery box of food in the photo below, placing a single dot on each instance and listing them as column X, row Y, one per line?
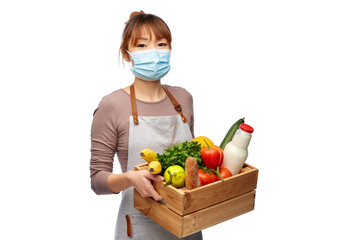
column 184, row 212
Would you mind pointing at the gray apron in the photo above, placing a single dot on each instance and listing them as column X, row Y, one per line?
column 157, row 133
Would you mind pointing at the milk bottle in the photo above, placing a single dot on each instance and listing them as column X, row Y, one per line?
column 235, row 152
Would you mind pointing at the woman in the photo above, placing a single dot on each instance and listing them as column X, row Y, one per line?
column 143, row 115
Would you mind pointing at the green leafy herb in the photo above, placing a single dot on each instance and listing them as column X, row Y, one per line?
column 178, row 154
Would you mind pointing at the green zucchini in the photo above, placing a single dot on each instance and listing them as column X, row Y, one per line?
column 230, row 134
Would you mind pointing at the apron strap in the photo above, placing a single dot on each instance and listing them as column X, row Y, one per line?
column 133, row 104
column 176, row 105
column 129, row 227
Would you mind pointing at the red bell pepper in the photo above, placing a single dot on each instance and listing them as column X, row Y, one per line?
column 212, row 156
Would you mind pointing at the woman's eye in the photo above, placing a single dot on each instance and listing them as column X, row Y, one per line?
column 162, row 44
column 141, row 45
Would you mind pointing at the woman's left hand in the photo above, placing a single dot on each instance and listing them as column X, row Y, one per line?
column 142, row 181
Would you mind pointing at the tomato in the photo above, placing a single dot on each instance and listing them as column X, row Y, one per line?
column 206, row 178
column 212, row 156
column 224, row 173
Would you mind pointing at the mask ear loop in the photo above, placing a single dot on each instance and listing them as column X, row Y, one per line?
column 131, row 59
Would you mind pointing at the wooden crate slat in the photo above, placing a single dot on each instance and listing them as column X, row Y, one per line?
column 173, row 197
column 182, row 226
column 218, row 213
column 160, row 213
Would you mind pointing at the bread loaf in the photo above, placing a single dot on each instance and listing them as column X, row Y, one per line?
column 192, row 175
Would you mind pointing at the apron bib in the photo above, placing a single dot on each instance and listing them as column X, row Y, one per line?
column 157, row 133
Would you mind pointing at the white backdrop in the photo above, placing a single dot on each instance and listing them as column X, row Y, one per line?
column 276, row 63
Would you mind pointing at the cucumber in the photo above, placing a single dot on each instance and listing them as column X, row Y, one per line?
column 229, row 135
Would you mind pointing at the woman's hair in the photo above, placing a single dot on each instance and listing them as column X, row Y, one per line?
column 139, row 21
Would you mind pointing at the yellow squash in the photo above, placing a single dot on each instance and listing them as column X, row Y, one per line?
column 148, row 154
column 154, row 167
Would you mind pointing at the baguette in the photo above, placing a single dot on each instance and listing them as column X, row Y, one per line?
column 191, row 173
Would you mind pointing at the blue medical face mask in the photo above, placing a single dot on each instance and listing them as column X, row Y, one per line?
column 150, row 64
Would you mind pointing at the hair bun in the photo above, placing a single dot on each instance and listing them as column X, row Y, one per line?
column 133, row 14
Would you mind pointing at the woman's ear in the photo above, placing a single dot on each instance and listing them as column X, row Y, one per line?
column 126, row 56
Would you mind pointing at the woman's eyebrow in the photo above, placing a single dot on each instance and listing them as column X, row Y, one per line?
column 146, row 39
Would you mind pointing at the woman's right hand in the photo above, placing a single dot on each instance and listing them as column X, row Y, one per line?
column 142, row 181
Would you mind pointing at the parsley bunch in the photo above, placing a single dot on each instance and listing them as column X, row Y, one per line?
column 178, row 154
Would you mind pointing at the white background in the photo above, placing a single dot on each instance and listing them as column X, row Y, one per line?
column 276, row 63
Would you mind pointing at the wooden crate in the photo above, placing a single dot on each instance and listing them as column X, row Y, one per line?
column 185, row 212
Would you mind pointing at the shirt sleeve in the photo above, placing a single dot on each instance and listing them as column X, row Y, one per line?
column 103, row 145
column 192, row 116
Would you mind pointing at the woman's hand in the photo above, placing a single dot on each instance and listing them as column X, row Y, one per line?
column 141, row 180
